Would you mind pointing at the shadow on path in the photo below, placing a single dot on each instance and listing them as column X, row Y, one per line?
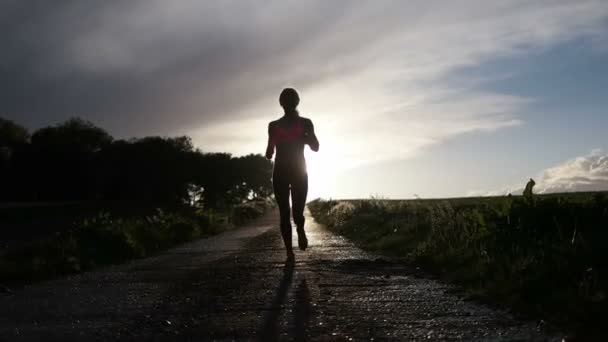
column 271, row 327
column 303, row 310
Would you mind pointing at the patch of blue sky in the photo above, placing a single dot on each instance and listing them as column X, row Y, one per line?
column 568, row 114
column 566, row 117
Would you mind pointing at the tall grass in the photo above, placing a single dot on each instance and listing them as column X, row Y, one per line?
column 106, row 238
column 545, row 256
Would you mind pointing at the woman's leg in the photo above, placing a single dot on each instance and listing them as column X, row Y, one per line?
column 281, row 194
column 299, row 190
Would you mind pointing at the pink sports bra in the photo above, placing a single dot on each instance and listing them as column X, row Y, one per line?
column 281, row 135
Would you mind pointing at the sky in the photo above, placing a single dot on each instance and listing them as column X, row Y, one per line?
column 409, row 98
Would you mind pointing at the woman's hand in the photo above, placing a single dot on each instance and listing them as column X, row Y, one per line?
column 310, row 138
column 269, row 152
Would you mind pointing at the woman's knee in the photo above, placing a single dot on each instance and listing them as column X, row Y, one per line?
column 298, row 217
column 286, row 228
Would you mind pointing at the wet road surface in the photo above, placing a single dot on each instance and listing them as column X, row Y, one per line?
column 236, row 286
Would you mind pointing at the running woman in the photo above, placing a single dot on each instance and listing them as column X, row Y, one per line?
column 288, row 135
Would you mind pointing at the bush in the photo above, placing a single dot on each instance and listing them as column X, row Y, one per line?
column 106, row 239
column 250, row 210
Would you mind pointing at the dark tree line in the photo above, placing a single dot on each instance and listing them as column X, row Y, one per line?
column 76, row 160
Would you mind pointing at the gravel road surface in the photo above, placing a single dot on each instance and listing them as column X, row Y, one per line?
column 235, row 286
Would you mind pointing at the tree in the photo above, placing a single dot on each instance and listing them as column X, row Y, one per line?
column 12, row 134
column 254, row 174
column 149, row 169
column 76, row 160
column 213, row 173
column 75, row 135
column 13, row 138
column 62, row 159
column 227, row 181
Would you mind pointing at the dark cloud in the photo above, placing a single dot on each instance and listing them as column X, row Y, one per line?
column 172, row 67
column 135, row 70
column 37, row 83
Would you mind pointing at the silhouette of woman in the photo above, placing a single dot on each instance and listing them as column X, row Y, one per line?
column 289, row 135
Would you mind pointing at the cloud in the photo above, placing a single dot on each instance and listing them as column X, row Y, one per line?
column 371, row 74
column 583, row 173
column 388, row 97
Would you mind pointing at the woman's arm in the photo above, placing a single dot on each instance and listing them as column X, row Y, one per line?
column 310, row 137
column 270, row 146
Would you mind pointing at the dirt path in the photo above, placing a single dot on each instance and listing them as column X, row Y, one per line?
column 235, row 286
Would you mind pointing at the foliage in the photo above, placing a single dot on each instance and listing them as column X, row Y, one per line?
column 250, row 210
column 107, row 238
column 74, row 134
column 544, row 256
column 153, row 169
column 76, row 172
column 12, row 137
column 77, row 161
column 12, row 134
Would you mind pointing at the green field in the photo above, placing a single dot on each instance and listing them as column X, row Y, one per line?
column 543, row 256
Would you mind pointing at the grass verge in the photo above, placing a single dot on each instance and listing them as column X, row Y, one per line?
column 110, row 238
column 544, row 256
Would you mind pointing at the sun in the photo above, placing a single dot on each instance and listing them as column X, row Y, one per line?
column 320, row 174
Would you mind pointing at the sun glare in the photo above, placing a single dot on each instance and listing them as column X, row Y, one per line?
column 321, row 173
